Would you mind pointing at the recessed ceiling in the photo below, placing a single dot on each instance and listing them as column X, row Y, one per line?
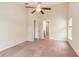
column 44, row 4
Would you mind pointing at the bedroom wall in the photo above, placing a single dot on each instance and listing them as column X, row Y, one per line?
column 74, row 13
column 59, row 22
column 13, row 25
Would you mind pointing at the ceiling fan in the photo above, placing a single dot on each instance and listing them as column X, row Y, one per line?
column 38, row 8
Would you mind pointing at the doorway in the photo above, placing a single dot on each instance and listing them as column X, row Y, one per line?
column 41, row 30
column 46, row 30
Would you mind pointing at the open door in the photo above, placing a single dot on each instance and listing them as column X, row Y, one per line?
column 46, row 30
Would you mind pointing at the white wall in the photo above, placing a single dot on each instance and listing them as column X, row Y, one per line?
column 59, row 21
column 74, row 13
column 13, row 24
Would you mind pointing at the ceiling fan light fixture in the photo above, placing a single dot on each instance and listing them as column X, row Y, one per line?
column 38, row 9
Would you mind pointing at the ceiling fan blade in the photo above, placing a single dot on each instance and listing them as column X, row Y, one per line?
column 46, row 8
column 42, row 12
column 26, row 3
column 33, row 11
column 29, row 7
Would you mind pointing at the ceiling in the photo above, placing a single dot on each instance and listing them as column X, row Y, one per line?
column 44, row 4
